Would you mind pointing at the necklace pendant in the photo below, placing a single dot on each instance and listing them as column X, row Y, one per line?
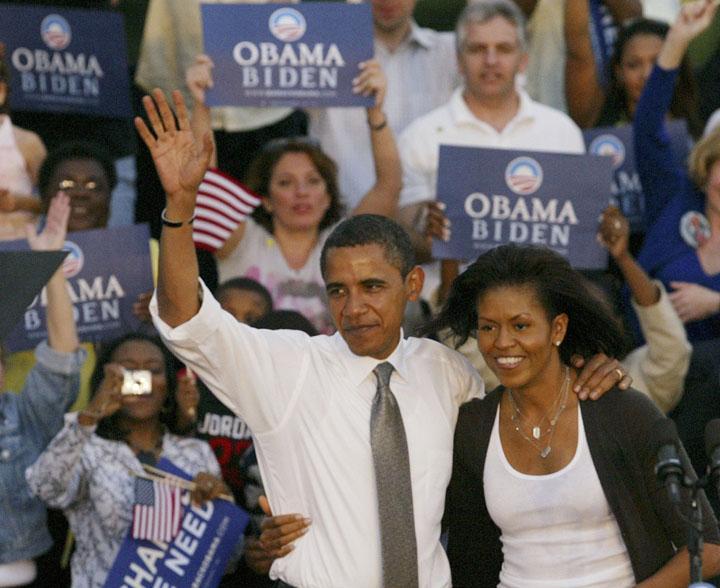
column 545, row 452
column 536, row 432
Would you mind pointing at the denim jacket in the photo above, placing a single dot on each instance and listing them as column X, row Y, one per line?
column 28, row 421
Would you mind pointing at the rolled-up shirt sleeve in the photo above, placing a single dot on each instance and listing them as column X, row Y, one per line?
column 659, row 367
column 255, row 372
column 419, row 158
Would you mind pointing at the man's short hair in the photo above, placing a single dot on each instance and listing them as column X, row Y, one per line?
column 480, row 11
column 372, row 229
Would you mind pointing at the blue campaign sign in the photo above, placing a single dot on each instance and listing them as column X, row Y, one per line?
column 498, row 196
column 617, row 143
column 195, row 558
column 106, row 270
column 64, row 60
column 301, row 56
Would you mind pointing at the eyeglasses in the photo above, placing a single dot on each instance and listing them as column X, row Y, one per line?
column 72, row 185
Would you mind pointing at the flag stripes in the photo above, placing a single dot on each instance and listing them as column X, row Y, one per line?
column 222, row 204
column 157, row 512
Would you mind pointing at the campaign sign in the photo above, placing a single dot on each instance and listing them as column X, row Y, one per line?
column 195, row 558
column 106, row 270
column 499, row 196
column 64, row 60
column 617, row 143
column 302, row 55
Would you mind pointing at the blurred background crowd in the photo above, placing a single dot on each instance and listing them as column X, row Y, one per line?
column 532, row 80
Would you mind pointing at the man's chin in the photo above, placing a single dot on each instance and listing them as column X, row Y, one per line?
column 359, row 348
column 389, row 26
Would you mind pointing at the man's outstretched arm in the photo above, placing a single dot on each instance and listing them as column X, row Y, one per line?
column 181, row 162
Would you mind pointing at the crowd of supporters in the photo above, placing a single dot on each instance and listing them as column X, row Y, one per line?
column 524, row 75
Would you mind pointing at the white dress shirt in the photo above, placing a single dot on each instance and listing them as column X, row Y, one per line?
column 308, row 402
column 421, row 74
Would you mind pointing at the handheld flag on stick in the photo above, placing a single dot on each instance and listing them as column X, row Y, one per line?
column 157, row 512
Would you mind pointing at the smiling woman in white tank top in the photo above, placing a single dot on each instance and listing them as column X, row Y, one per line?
column 550, row 522
column 548, row 491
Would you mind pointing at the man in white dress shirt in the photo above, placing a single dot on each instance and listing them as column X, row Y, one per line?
column 488, row 111
column 308, row 400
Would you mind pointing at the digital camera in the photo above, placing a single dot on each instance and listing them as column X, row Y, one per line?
column 136, row 382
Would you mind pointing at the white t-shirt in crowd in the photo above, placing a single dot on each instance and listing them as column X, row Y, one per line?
column 258, row 256
column 308, row 402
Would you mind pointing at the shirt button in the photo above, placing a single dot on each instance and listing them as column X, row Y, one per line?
column 5, row 454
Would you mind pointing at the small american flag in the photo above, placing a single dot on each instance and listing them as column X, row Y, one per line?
column 222, row 204
column 157, row 512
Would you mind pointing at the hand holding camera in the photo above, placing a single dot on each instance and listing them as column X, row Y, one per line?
column 117, row 383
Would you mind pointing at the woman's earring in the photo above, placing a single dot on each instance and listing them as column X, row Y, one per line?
column 557, row 343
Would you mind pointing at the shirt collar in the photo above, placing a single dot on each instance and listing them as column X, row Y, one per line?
column 461, row 114
column 358, row 367
column 417, row 36
column 421, row 36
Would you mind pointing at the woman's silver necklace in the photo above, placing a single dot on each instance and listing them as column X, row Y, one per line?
column 537, row 433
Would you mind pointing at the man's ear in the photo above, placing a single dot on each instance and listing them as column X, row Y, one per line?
column 524, row 62
column 414, row 283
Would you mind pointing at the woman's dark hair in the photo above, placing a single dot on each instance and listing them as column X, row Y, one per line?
column 262, row 167
column 248, row 285
column 75, row 150
column 109, row 427
column 684, row 104
column 592, row 327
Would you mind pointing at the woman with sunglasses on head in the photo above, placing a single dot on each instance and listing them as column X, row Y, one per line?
column 279, row 245
column 87, row 469
column 546, row 490
column 84, row 171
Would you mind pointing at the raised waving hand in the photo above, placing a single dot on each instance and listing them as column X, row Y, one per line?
column 180, row 159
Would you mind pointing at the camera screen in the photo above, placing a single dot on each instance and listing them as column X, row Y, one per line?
column 137, row 382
